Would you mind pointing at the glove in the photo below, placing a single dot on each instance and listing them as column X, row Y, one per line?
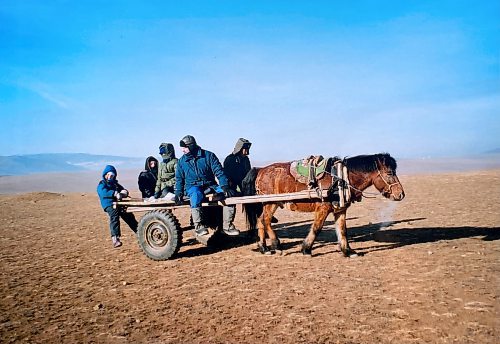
column 124, row 193
column 157, row 194
column 118, row 196
column 228, row 192
column 178, row 199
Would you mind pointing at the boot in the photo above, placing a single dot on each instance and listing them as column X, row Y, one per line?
column 116, row 241
column 228, row 213
column 199, row 228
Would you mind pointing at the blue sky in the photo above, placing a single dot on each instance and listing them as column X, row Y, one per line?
column 412, row 78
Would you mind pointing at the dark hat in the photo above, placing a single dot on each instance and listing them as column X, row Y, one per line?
column 188, row 141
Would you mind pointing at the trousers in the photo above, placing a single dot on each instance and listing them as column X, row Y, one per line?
column 114, row 220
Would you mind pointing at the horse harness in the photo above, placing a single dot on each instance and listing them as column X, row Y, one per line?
column 340, row 189
column 388, row 186
column 311, row 170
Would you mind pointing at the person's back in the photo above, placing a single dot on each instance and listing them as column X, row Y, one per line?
column 148, row 177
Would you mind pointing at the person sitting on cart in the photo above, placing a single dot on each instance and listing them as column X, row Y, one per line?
column 195, row 177
column 166, row 172
column 110, row 190
column 236, row 166
column 148, row 177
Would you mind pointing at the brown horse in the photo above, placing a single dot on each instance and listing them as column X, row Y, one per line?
column 378, row 170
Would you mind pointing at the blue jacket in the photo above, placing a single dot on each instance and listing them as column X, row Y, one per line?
column 198, row 170
column 106, row 190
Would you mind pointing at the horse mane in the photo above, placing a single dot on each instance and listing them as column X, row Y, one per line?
column 367, row 163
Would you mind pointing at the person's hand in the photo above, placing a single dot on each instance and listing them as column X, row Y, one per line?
column 228, row 192
column 118, row 196
column 178, row 199
column 124, row 193
column 157, row 194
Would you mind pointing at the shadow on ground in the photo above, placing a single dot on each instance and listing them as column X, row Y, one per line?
column 382, row 233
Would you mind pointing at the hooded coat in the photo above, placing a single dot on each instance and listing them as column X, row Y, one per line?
column 237, row 165
column 199, row 167
column 106, row 189
column 147, row 179
column 166, row 169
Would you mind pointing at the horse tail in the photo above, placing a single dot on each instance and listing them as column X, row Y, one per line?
column 252, row 210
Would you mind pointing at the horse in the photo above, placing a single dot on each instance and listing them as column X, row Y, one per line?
column 363, row 171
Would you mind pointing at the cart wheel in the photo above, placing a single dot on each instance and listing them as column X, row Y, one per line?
column 159, row 234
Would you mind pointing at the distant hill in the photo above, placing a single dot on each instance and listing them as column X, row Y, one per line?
column 15, row 165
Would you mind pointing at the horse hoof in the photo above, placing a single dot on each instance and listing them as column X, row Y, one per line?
column 307, row 252
column 355, row 254
column 264, row 249
column 276, row 247
column 352, row 254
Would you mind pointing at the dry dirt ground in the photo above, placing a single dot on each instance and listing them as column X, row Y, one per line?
column 429, row 273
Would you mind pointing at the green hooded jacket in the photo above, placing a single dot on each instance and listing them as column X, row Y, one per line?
column 166, row 169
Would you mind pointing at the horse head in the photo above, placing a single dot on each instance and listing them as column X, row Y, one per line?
column 386, row 181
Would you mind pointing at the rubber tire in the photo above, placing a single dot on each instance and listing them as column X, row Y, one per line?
column 159, row 235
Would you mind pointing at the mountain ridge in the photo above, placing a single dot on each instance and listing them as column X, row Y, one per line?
column 16, row 165
column 28, row 164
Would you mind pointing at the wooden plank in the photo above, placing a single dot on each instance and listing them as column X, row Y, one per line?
column 285, row 197
column 140, row 203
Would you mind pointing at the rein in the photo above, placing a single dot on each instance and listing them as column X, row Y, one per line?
column 363, row 193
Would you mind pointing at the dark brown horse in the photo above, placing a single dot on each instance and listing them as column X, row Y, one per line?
column 378, row 170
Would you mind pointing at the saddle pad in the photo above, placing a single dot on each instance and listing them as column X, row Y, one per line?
column 303, row 167
column 299, row 169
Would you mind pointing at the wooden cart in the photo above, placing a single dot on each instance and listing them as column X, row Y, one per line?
column 160, row 234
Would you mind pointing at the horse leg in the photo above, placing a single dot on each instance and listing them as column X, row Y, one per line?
column 261, row 244
column 320, row 216
column 341, row 230
column 264, row 227
column 267, row 216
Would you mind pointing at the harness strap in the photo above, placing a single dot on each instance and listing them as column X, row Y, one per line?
column 340, row 183
column 387, row 184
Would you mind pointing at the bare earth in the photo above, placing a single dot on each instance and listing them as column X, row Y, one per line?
column 429, row 273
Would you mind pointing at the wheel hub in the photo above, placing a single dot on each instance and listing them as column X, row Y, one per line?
column 157, row 235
